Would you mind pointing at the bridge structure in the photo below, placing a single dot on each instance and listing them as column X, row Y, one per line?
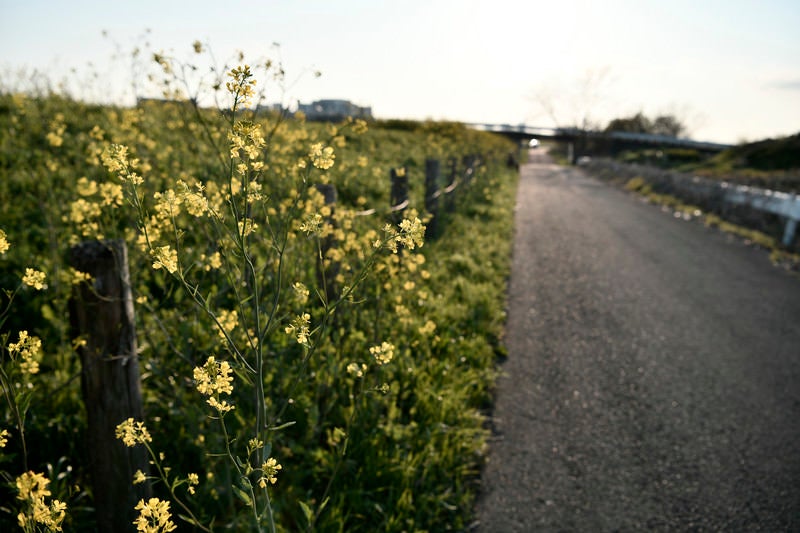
column 523, row 132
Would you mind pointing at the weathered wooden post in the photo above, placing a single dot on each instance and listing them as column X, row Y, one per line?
column 432, row 193
column 101, row 313
column 451, row 186
column 327, row 267
column 399, row 194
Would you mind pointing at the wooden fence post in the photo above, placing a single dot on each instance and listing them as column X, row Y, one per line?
column 399, row 194
column 101, row 312
column 327, row 268
column 432, row 193
column 450, row 198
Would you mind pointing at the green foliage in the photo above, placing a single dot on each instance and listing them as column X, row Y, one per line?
column 766, row 155
column 769, row 163
column 668, row 125
column 397, row 448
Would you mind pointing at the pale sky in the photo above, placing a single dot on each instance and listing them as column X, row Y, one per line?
column 729, row 69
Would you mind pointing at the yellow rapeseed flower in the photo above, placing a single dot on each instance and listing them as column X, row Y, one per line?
column 356, row 370
column 241, row 86
column 214, row 377
column 165, row 257
column 246, row 227
column 86, row 187
column 300, row 328
column 154, row 516
column 29, row 349
column 312, row 224
column 228, row 320
column 139, row 477
column 131, row 433
column 4, row 244
column 4, row 434
column 428, row 328
column 269, row 472
column 383, row 354
column 111, row 194
column 34, row 278
column 412, row 233
column 32, row 489
column 321, row 157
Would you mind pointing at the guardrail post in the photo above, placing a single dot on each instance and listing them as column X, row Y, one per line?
column 101, row 312
column 788, row 231
column 432, row 168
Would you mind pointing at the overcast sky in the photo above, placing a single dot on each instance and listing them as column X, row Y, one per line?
column 729, row 69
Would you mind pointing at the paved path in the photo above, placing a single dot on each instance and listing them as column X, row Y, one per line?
column 653, row 376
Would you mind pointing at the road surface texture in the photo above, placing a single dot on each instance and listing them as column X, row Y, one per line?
column 653, row 375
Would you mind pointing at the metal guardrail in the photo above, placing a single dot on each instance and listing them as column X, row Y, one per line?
column 775, row 202
column 783, row 204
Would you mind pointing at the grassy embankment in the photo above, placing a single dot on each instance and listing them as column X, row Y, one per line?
column 388, row 439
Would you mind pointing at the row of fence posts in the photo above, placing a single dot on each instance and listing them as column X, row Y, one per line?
column 102, row 313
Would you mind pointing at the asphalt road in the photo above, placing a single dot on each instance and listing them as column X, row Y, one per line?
column 653, row 375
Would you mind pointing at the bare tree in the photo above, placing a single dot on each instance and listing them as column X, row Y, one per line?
column 574, row 106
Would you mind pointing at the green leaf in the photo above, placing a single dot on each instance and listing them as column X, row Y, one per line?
column 283, row 426
column 243, row 496
column 307, row 512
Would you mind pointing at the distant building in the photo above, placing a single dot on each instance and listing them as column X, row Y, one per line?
column 334, row 110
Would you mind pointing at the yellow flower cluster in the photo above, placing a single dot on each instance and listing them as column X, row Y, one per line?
column 356, row 370
column 154, row 516
column 269, row 472
column 246, row 137
column 359, row 126
column 428, row 328
column 34, row 278
column 383, row 354
column 83, row 214
column 300, row 328
column 213, row 261
column 412, row 233
column 32, row 488
column 228, row 320
column 139, row 477
column 301, row 292
column 110, row 193
column 4, row 244
column 192, row 479
column 29, row 349
column 165, row 257
column 312, row 224
column 196, row 203
column 55, row 137
column 116, row 160
column 85, row 211
column 322, row 157
column 241, row 86
column 214, row 378
column 131, row 433
column 246, row 227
